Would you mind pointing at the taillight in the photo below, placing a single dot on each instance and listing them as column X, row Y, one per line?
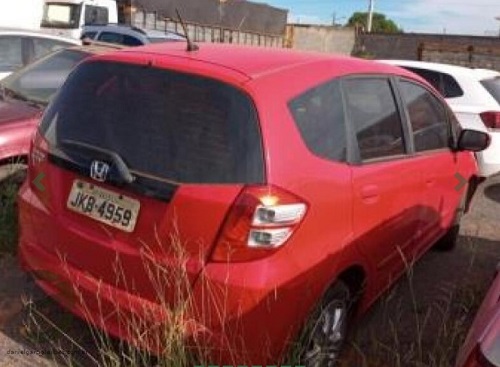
column 260, row 221
column 491, row 119
column 38, row 159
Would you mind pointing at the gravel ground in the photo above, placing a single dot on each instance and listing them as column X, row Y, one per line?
column 438, row 275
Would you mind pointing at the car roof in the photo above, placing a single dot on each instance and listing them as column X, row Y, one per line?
column 456, row 70
column 255, row 62
column 31, row 33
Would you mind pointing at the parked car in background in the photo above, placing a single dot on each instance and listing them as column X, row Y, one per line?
column 123, row 34
column 20, row 47
column 25, row 94
column 283, row 208
column 474, row 97
column 482, row 345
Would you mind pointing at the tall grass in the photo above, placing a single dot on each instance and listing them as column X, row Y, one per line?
column 166, row 338
column 11, row 177
column 409, row 332
column 406, row 333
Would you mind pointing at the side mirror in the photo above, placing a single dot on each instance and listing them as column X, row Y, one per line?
column 473, row 140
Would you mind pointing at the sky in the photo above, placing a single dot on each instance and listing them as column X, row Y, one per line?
column 473, row 17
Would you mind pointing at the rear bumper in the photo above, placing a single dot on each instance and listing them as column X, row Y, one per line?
column 239, row 314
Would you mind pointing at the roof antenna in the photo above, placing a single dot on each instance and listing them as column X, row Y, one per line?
column 191, row 46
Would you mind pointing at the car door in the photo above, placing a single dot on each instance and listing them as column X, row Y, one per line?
column 387, row 189
column 433, row 136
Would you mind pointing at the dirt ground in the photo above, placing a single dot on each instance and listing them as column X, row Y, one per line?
column 421, row 322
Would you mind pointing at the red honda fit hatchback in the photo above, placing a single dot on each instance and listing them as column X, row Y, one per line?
column 278, row 192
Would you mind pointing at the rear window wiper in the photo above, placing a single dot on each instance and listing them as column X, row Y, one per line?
column 120, row 164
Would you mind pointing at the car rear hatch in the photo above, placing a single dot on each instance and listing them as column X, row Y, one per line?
column 140, row 166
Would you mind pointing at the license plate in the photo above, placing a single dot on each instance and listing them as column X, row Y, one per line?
column 103, row 205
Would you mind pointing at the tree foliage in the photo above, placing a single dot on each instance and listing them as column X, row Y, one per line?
column 380, row 22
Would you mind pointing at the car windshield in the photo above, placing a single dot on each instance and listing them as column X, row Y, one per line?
column 61, row 15
column 493, row 87
column 164, row 125
column 39, row 81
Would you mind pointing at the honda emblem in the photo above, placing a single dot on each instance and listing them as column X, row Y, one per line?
column 99, row 170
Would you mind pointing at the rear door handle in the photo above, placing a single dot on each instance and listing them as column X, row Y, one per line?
column 370, row 193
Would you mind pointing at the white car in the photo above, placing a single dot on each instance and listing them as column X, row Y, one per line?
column 123, row 34
column 474, row 97
column 20, row 47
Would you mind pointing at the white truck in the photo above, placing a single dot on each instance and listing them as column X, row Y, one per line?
column 59, row 17
column 21, row 14
column 67, row 17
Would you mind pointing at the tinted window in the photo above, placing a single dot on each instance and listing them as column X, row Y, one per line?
column 427, row 116
column 40, row 80
column 319, row 115
column 451, row 89
column 444, row 83
column 375, row 118
column 493, row 87
column 96, row 15
column 11, row 56
column 164, row 125
column 432, row 77
column 119, row 39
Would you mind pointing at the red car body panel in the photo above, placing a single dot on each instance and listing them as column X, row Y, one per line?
column 484, row 333
column 18, row 123
column 354, row 213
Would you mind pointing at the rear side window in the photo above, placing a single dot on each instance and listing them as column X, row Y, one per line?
column 444, row 83
column 319, row 116
column 374, row 115
column 120, row 39
column 428, row 118
column 451, row 89
column 432, row 77
column 164, row 125
column 493, row 87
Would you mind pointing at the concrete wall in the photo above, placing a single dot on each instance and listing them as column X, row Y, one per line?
column 463, row 50
column 321, row 38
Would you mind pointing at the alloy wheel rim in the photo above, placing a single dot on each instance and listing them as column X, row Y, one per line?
column 327, row 335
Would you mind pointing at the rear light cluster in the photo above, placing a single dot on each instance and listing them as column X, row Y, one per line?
column 260, row 221
column 491, row 119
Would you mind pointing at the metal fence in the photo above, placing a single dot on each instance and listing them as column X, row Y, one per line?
column 206, row 33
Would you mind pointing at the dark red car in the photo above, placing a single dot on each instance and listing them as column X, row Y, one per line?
column 482, row 345
column 248, row 195
column 23, row 97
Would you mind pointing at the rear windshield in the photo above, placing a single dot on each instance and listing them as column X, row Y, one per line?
column 164, row 125
column 493, row 86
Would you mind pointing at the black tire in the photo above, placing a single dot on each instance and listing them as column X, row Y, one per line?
column 326, row 330
column 449, row 241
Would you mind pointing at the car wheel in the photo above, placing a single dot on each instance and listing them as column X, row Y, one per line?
column 450, row 239
column 327, row 328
